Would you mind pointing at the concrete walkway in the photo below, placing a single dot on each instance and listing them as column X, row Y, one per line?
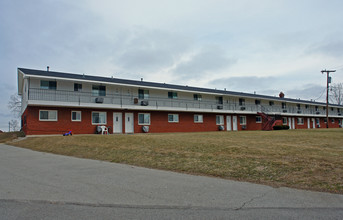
column 46, row 186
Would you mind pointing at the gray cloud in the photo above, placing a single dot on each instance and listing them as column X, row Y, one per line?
column 331, row 48
column 207, row 60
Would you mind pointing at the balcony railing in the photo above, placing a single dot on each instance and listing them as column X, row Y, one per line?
column 158, row 102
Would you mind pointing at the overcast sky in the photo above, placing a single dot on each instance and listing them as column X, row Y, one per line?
column 264, row 46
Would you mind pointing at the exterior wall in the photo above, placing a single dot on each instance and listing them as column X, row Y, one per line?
column 158, row 121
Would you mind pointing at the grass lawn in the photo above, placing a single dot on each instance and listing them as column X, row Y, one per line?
column 305, row 159
column 9, row 136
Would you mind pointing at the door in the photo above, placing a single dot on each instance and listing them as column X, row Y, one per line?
column 308, row 123
column 293, row 123
column 234, row 123
column 228, row 123
column 290, row 123
column 129, row 123
column 117, row 122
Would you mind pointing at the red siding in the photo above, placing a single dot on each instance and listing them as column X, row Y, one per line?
column 158, row 122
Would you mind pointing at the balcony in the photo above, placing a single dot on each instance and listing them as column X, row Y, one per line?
column 71, row 98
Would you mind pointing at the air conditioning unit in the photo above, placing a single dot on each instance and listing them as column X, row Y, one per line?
column 339, row 114
column 299, row 111
column 99, row 100
column 135, row 100
column 242, row 108
column 145, row 129
column 144, row 103
column 285, row 110
column 317, row 113
column 219, row 107
column 221, row 127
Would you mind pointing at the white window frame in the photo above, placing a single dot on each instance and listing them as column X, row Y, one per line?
column 144, row 114
column 333, row 121
column 260, row 119
column 49, row 119
column 244, row 120
column 221, row 120
column 284, row 122
column 76, row 113
column 300, row 121
column 175, row 119
column 99, row 117
column 198, row 118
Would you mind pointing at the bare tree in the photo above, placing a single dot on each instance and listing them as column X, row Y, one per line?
column 337, row 93
column 14, row 125
column 15, row 105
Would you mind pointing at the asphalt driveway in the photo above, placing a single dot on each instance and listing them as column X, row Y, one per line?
column 35, row 185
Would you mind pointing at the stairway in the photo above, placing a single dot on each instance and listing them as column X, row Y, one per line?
column 268, row 122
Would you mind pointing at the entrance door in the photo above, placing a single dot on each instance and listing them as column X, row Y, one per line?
column 234, row 123
column 308, row 123
column 129, row 123
column 228, row 123
column 290, row 123
column 313, row 123
column 117, row 122
column 293, row 123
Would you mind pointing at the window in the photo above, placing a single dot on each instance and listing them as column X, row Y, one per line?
column 257, row 102
column 144, row 119
column 300, row 121
column 258, row 119
column 77, row 87
column 219, row 119
column 173, row 118
column 332, row 120
column 338, row 110
column 48, row 115
column 306, row 106
column 76, row 115
column 283, row 104
column 284, row 121
column 316, row 107
column 172, row 95
column 98, row 90
column 271, row 103
column 219, row 100
column 242, row 120
column 298, row 106
column 48, row 84
column 198, row 118
column 324, row 108
column 317, row 121
column 99, row 118
column 197, row 97
column 143, row 94
column 242, row 102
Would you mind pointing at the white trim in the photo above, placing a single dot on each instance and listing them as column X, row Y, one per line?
column 301, row 119
column 48, row 115
column 76, row 119
column 99, row 123
column 144, row 123
column 202, row 118
column 221, row 120
column 245, row 120
column 174, row 118
column 260, row 121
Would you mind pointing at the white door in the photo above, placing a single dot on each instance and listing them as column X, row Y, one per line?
column 117, row 122
column 129, row 123
column 313, row 123
column 228, row 123
column 234, row 123
column 290, row 123
column 293, row 123
column 308, row 123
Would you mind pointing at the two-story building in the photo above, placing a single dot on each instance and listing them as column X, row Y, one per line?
column 55, row 102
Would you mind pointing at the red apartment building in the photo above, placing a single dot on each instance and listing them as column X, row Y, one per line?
column 56, row 102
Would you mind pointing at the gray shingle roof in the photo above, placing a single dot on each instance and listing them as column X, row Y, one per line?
column 159, row 85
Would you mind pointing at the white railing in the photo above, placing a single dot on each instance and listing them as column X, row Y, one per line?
column 158, row 102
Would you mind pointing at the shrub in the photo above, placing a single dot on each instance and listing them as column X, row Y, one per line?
column 281, row 127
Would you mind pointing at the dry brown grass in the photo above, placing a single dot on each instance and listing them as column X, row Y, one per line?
column 306, row 159
column 9, row 136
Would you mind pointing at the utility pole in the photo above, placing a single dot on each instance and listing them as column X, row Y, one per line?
column 328, row 80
